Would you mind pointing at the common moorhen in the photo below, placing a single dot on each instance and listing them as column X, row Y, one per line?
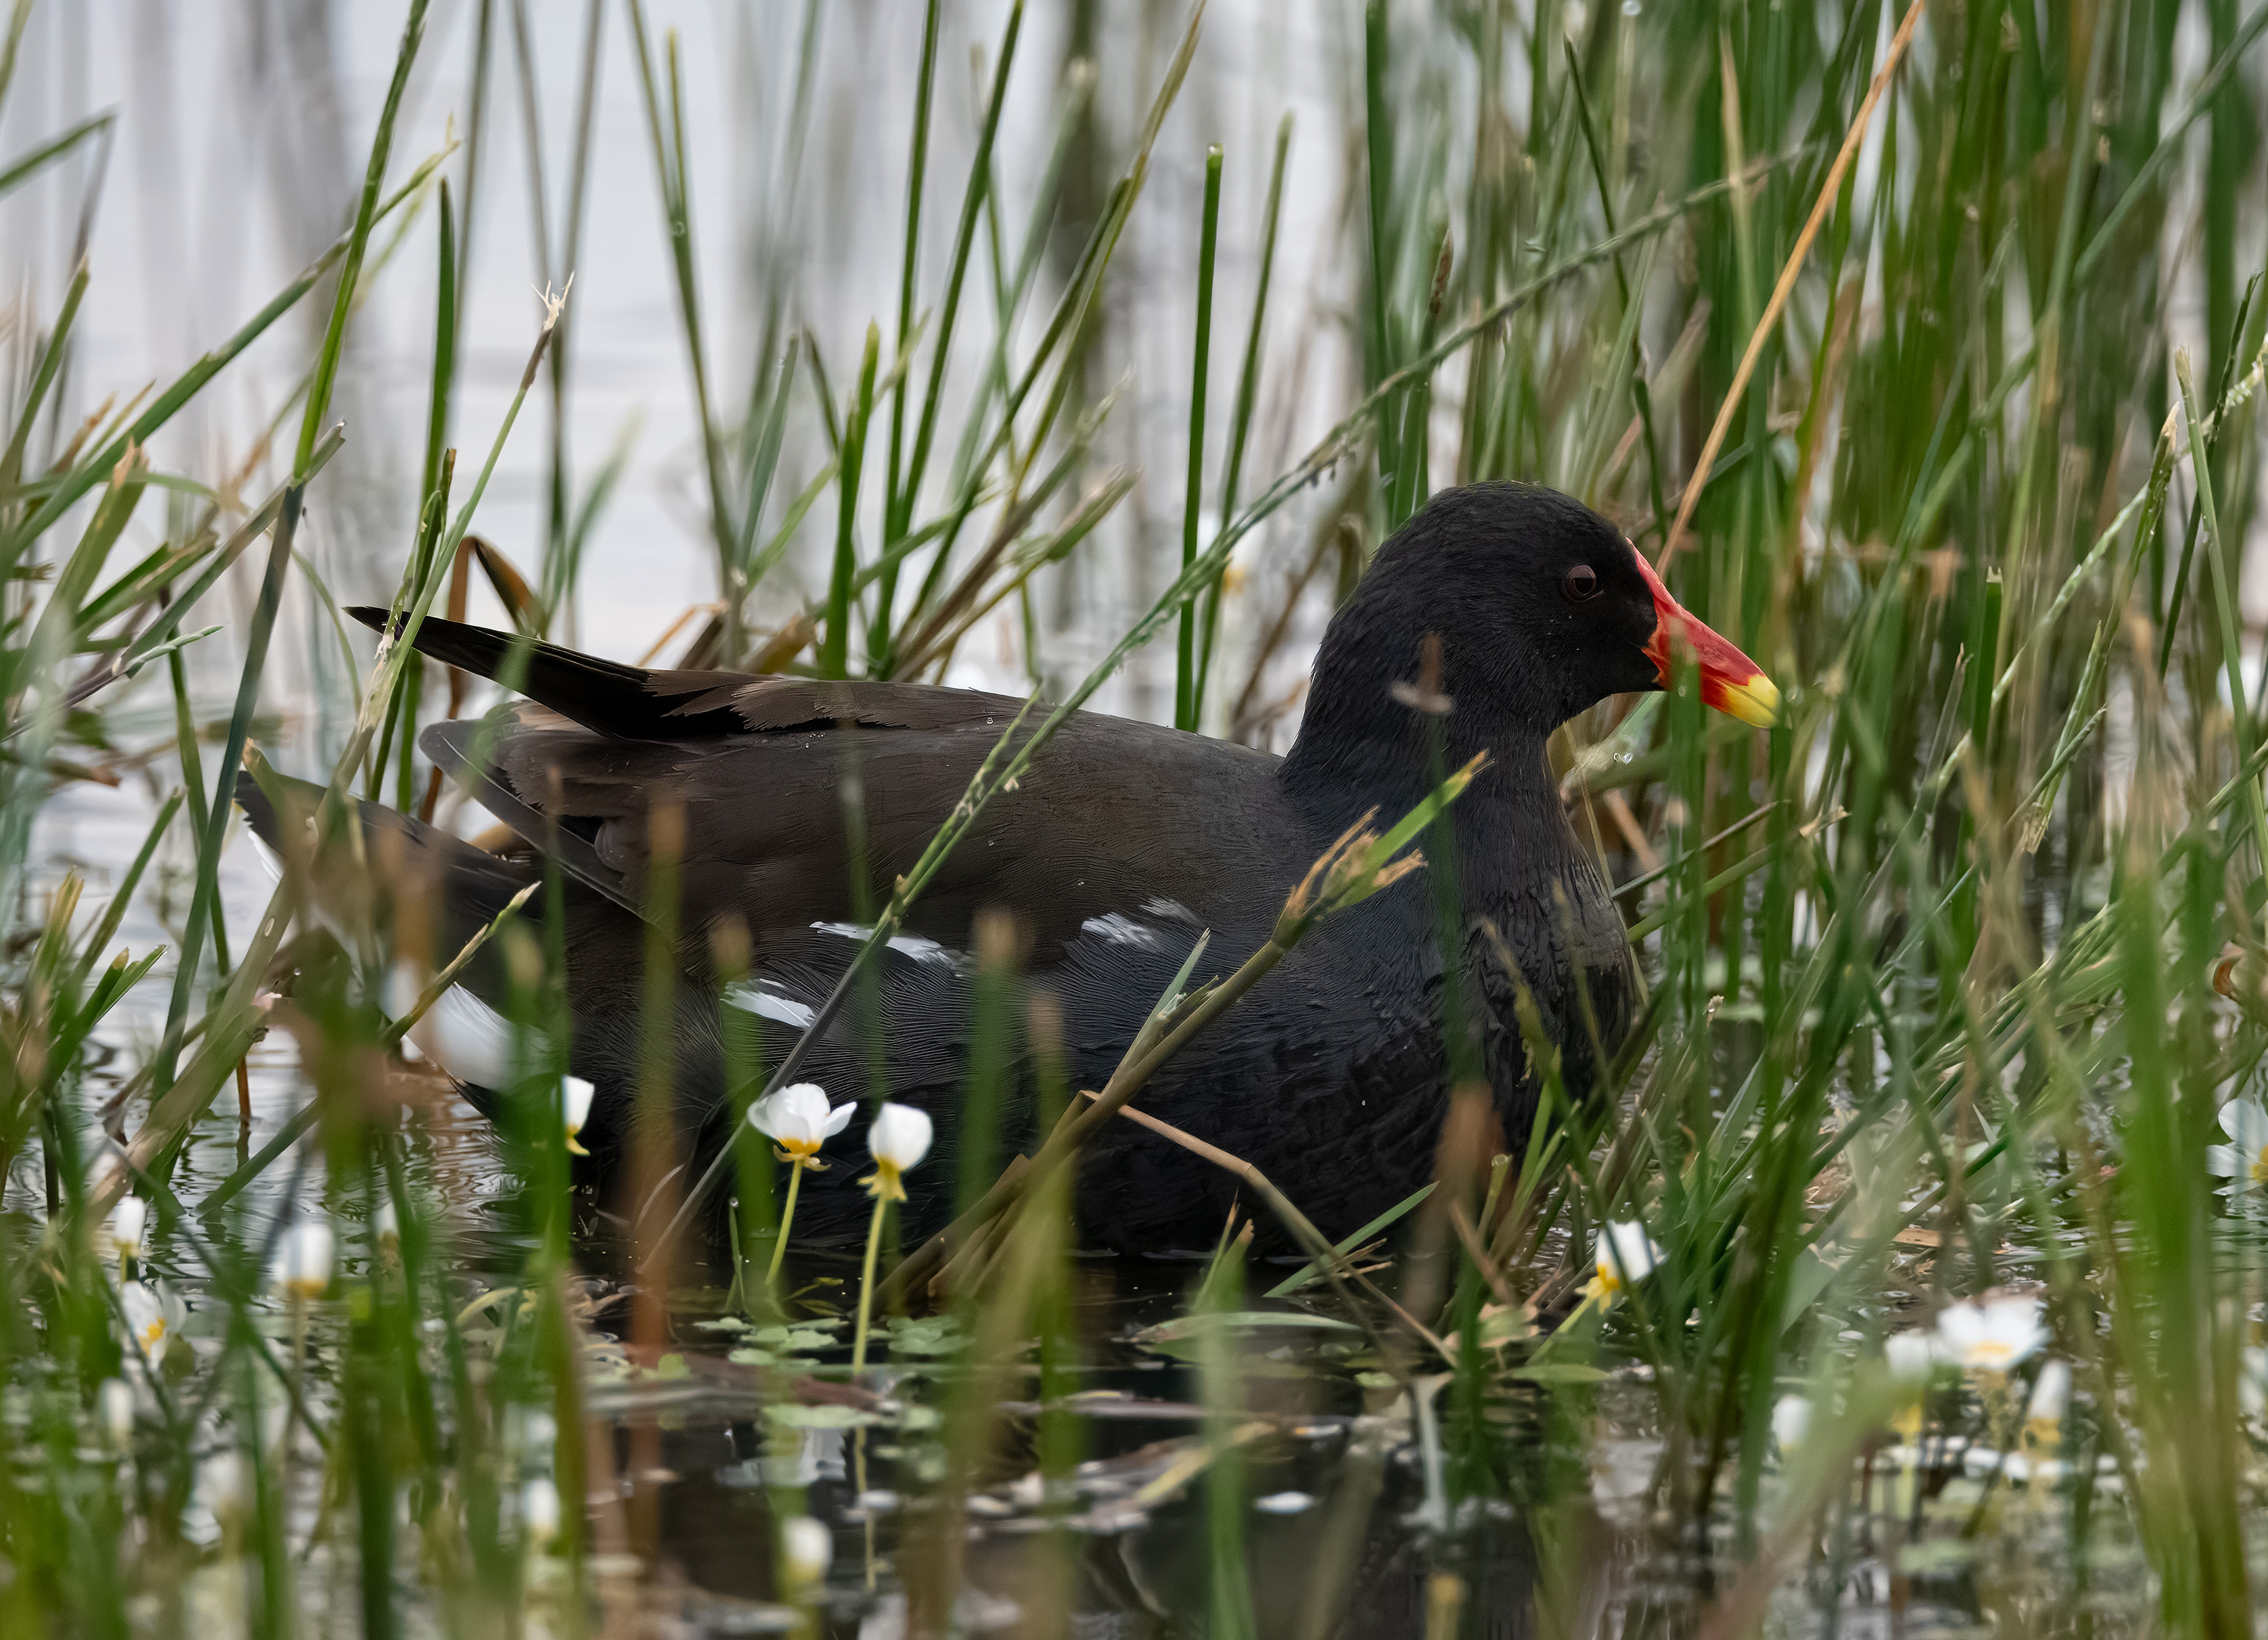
column 1124, row 844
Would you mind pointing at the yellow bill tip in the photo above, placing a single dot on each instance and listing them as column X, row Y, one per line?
column 1756, row 702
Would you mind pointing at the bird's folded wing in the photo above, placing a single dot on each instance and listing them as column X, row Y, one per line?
column 1116, row 824
column 457, row 747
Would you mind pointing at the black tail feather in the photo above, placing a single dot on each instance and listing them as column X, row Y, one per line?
column 606, row 696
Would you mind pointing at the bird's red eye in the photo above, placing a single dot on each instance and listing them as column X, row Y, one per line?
column 1582, row 584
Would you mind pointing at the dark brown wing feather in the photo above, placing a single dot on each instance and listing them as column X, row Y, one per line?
column 775, row 775
column 1115, row 815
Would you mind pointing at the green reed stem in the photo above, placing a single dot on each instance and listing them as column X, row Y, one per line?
column 669, row 159
column 866, row 1283
column 975, row 198
column 835, row 644
column 1247, row 395
column 897, row 504
column 787, row 1222
column 1185, row 670
column 206, row 897
column 2225, row 605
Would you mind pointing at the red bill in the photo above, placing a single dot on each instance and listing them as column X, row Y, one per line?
column 1730, row 682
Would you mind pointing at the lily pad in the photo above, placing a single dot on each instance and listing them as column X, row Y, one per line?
column 791, row 1340
column 1559, row 1372
column 797, row 1416
column 1238, row 1321
column 925, row 1335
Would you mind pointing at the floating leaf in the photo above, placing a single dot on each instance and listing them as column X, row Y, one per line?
column 925, row 1335
column 1237, row 1321
column 1560, row 1372
column 793, row 1340
column 796, row 1416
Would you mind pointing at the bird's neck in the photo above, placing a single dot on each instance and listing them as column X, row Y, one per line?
column 1343, row 765
column 1369, row 738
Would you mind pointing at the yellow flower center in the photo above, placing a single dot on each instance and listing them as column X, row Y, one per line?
column 2260, row 1166
column 888, row 1182
column 573, row 1147
column 1989, row 1352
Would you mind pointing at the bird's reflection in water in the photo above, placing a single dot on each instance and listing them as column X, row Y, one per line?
column 1332, row 1484
column 1131, row 1575
column 1329, row 1549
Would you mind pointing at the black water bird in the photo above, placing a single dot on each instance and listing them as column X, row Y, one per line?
column 1125, row 842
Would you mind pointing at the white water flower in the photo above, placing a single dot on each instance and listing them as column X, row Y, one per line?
column 303, row 1263
column 798, row 1118
column 899, row 1139
column 2245, row 1156
column 105, row 1171
column 127, row 1221
column 1791, row 1421
column 805, row 1549
column 2252, row 1381
column 2050, row 1399
column 114, row 1414
column 1993, row 1335
column 386, row 1226
column 575, row 1101
column 1624, row 1255
column 538, row 1512
column 1911, row 1357
column 1284, row 1503
column 153, row 1318
column 224, row 1487
column 799, row 1121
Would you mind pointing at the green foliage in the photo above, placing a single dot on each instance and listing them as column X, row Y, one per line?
column 1955, row 970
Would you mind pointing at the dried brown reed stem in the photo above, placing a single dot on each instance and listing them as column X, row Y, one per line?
column 655, row 1164
column 1141, row 1062
column 973, row 1253
column 1736, row 396
column 1359, row 863
column 1015, row 1291
column 1471, row 1135
column 1461, row 1221
column 1338, row 1267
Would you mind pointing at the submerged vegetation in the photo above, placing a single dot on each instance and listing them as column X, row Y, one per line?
column 1909, row 1270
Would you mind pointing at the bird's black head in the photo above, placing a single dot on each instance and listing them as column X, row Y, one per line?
column 1542, row 609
